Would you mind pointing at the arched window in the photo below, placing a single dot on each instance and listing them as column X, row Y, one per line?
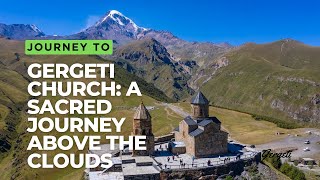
column 144, row 132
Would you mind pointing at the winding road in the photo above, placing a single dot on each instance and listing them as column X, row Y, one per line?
column 176, row 109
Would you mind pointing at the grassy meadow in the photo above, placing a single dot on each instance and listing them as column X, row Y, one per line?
column 243, row 128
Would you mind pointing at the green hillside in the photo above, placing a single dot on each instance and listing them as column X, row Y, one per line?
column 13, row 95
column 279, row 80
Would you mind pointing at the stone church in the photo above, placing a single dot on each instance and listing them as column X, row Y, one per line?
column 200, row 135
column 142, row 126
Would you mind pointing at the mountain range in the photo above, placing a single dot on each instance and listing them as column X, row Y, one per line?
column 279, row 79
column 20, row 31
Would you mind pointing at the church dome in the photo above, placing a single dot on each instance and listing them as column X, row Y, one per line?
column 199, row 98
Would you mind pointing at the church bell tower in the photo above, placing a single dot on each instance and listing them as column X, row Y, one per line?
column 200, row 106
column 142, row 126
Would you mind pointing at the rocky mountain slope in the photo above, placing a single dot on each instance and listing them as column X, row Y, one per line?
column 279, row 80
column 13, row 95
column 182, row 50
column 150, row 60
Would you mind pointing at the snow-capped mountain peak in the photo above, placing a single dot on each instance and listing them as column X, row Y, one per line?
column 120, row 19
column 35, row 28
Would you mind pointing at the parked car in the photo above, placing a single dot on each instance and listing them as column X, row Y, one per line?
column 306, row 149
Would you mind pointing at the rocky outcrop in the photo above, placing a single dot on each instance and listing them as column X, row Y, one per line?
column 298, row 80
column 277, row 104
column 267, row 172
column 202, row 75
column 258, row 171
column 315, row 100
column 309, row 112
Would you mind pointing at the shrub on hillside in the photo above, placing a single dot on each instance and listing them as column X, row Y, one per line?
column 278, row 122
column 274, row 161
column 292, row 172
column 296, row 174
column 285, row 168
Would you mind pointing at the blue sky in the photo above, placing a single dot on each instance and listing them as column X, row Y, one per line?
column 233, row 21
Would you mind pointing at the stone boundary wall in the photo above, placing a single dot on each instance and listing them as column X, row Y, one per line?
column 143, row 177
column 164, row 138
column 233, row 168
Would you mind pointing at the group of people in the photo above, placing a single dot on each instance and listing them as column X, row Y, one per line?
column 166, row 147
column 209, row 162
column 161, row 149
column 182, row 164
column 173, row 157
column 226, row 160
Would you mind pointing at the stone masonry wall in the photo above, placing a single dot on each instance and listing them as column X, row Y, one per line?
column 236, row 168
column 207, row 144
column 164, row 138
column 200, row 111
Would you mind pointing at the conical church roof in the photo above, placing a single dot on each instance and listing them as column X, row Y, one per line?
column 199, row 98
column 142, row 112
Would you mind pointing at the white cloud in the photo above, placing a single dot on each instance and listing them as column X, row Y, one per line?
column 90, row 21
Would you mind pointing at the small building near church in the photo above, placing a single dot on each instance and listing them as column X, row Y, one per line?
column 308, row 161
